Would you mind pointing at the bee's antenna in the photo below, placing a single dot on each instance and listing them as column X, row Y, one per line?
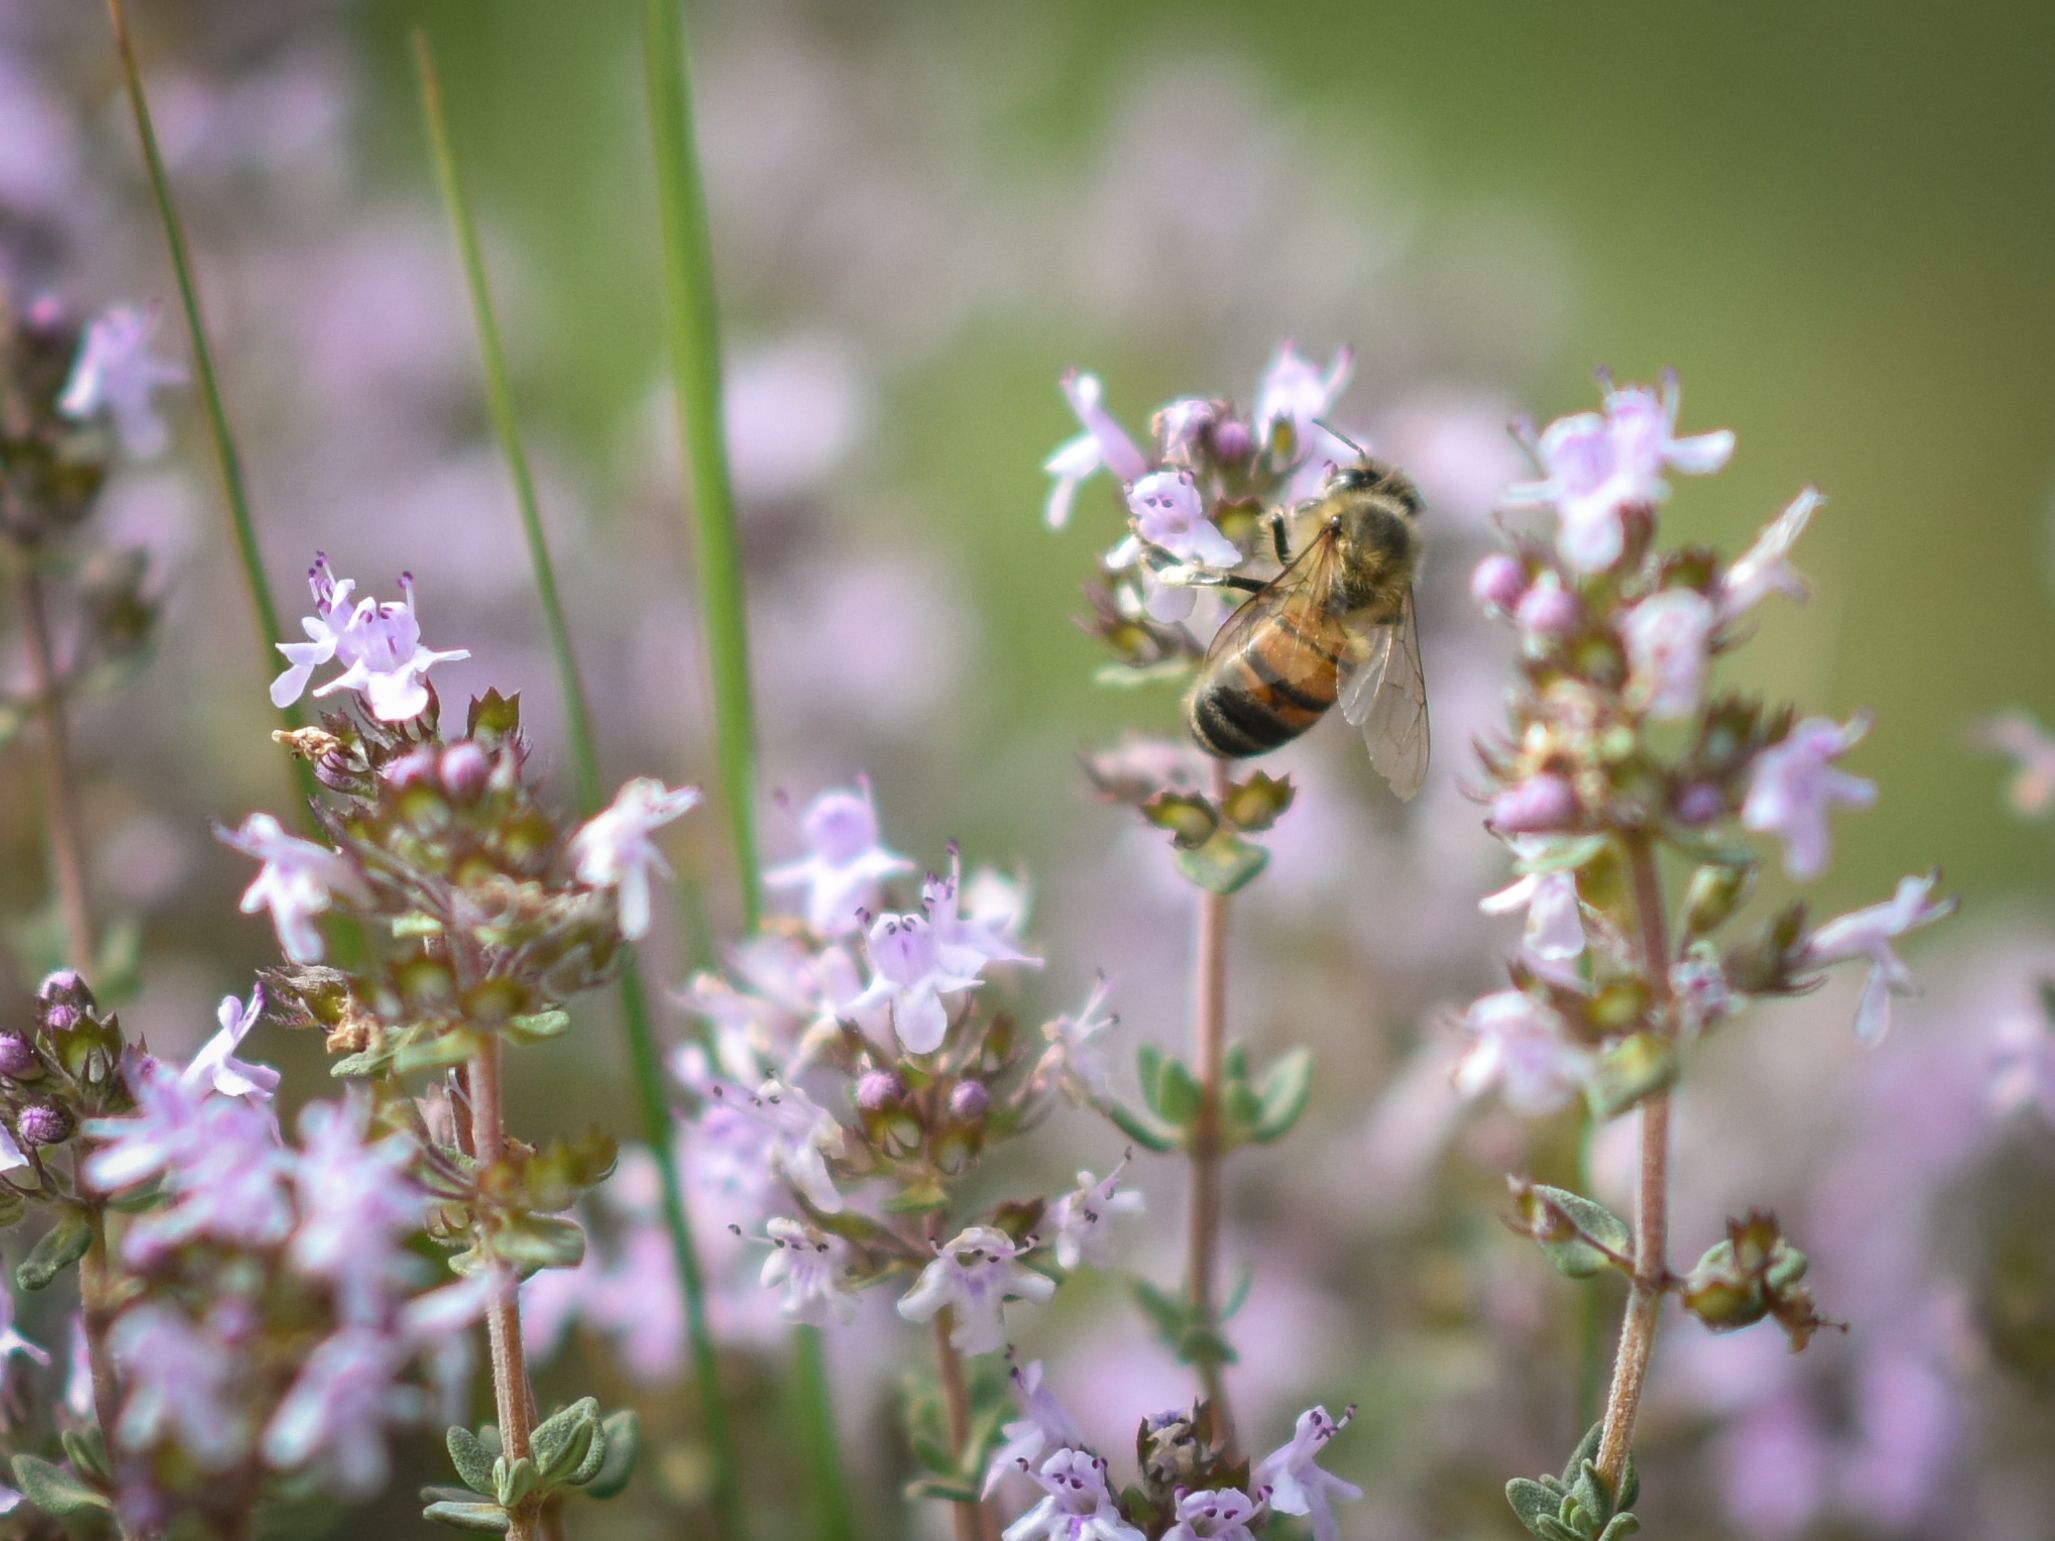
column 1361, row 452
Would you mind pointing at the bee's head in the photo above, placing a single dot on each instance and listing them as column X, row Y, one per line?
column 1374, row 476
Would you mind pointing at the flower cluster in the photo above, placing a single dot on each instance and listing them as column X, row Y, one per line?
column 1620, row 748
column 1190, row 1485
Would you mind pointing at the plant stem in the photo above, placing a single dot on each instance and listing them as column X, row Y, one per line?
column 94, row 1281
column 60, row 788
column 499, row 398
column 1590, row 1301
column 645, row 1064
column 692, row 334
column 692, row 342
column 511, row 1395
column 1652, row 1190
column 241, row 524
column 972, row 1522
column 1209, row 1052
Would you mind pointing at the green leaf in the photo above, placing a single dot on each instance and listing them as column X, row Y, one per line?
column 1170, row 1314
column 369, row 1063
column 87, row 1451
column 1621, row 1527
column 538, row 1026
column 1144, row 1131
column 917, row 1200
column 951, row 1490
column 1574, row 1257
column 1287, row 1088
column 482, row 1519
column 539, row 1241
column 59, row 1247
column 1175, row 1096
column 562, row 1440
column 1565, row 855
column 513, row 1480
column 1223, row 864
column 1533, row 1501
column 1550, row 1528
column 623, row 1434
column 57, row 1492
column 470, row 1457
column 1630, row 1070
column 437, row 1052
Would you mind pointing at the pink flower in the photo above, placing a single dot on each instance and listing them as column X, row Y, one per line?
column 1868, row 933
column 845, row 862
column 1540, row 804
column 356, row 1204
column 377, row 643
column 1215, row 1514
column 1794, row 784
column 1597, row 466
column 1668, row 638
column 1295, row 1484
column 1497, row 584
column 115, row 374
column 1077, row 1504
column 1079, row 1218
column 1292, row 396
column 1763, row 569
column 1026, row 1438
column 613, row 849
column 1555, row 919
column 2032, row 752
column 2023, row 1065
column 1169, row 513
column 334, row 1416
column 1523, row 1047
column 974, row 1275
column 977, row 925
column 216, row 1065
column 1104, row 445
column 1075, row 1054
column 912, row 975
column 298, row 882
column 180, row 1380
column 813, row 1269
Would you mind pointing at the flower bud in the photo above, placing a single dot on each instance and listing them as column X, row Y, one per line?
column 1232, row 440
column 465, row 768
column 43, row 1123
column 969, row 1101
column 879, row 1090
column 1549, row 610
column 1498, row 583
column 411, row 768
column 1715, row 893
column 1700, row 803
column 1535, row 806
column 18, row 1060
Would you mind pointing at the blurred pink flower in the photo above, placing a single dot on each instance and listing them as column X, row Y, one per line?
column 1523, row 1047
column 2021, row 739
column 973, row 1275
column 1794, row 785
column 1669, row 646
column 299, row 881
column 1764, row 568
column 845, row 863
column 1104, row 445
column 613, row 849
column 116, row 374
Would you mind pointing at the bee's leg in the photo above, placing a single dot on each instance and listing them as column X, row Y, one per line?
column 1276, row 523
column 1179, row 576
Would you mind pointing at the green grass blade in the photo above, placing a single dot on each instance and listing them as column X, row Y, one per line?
column 692, row 338
column 645, row 1066
column 234, row 491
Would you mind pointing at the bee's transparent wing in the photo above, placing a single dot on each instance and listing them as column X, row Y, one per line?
column 1384, row 693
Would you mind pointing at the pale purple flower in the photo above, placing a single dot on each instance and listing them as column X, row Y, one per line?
column 1555, row 919
column 1079, row 1218
column 12, row 1342
column 1216, row 1514
column 217, row 1067
column 1104, row 445
column 613, row 849
column 1024, row 1439
column 356, row 1204
column 1699, row 986
column 1522, row 1046
column 974, row 1275
column 378, row 644
column 1075, row 1052
column 1868, row 933
column 179, row 1380
column 1765, row 568
column 1595, row 466
column 1293, row 1483
column 1794, row 785
column 334, row 1415
column 164, row 1129
column 115, row 373
column 1292, row 396
column 299, row 881
column 11, row 1157
column 1169, row 513
column 1548, row 610
column 1077, row 1505
column 975, row 926
column 844, row 864
column 802, row 1136
column 2023, row 1065
column 911, row 976
column 1669, row 646
column 1540, row 804
column 78, row 1370
column 227, row 1180
column 812, row 1268
column 1497, row 583
column 2021, row 739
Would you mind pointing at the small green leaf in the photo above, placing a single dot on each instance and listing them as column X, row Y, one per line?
column 59, row 1247
column 470, row 1457
column 1532, row 1500
column 538, row 1026
column 1175, row 1096
column 622, row 1432
column 513, row 1480
column 369, row 1063
column 917, row 1200
column 1572, row 1255
column 1550, row 1528
column 437, row 1052
column 562, row 1440
column 951, row 1490
column 1144, row 1131
column 1286, row 1089
column 88, row 1452
column 481, row 1519
column 57, row 1492
column 1630, row 1070
column 1223, row 864
column 1620, row 1527
column 539, row 1241
column 1565, row 855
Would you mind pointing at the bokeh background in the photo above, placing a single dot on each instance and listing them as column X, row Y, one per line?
column 1835, row 223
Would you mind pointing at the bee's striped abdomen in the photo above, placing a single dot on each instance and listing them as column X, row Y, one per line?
column 1276, row 684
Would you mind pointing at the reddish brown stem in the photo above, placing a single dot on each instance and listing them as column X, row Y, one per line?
column 66, row 827
column 1209, row 1052
column 1652, row 1188
column 512, row 1396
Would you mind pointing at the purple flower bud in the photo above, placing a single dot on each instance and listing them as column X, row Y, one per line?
column 465, row 770
column 879, row 1090
column 1700, row 803
column 17, row 1059
column 415, row 766
column 1233, row 440
column 1498, row 583
column 61, row 1018
column 43, row 1123
column 969, row 1101
column 1536, row 806
column 64, row 985
column 1549, row 610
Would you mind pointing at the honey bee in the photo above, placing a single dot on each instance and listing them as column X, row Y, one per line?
column 1337, row 624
